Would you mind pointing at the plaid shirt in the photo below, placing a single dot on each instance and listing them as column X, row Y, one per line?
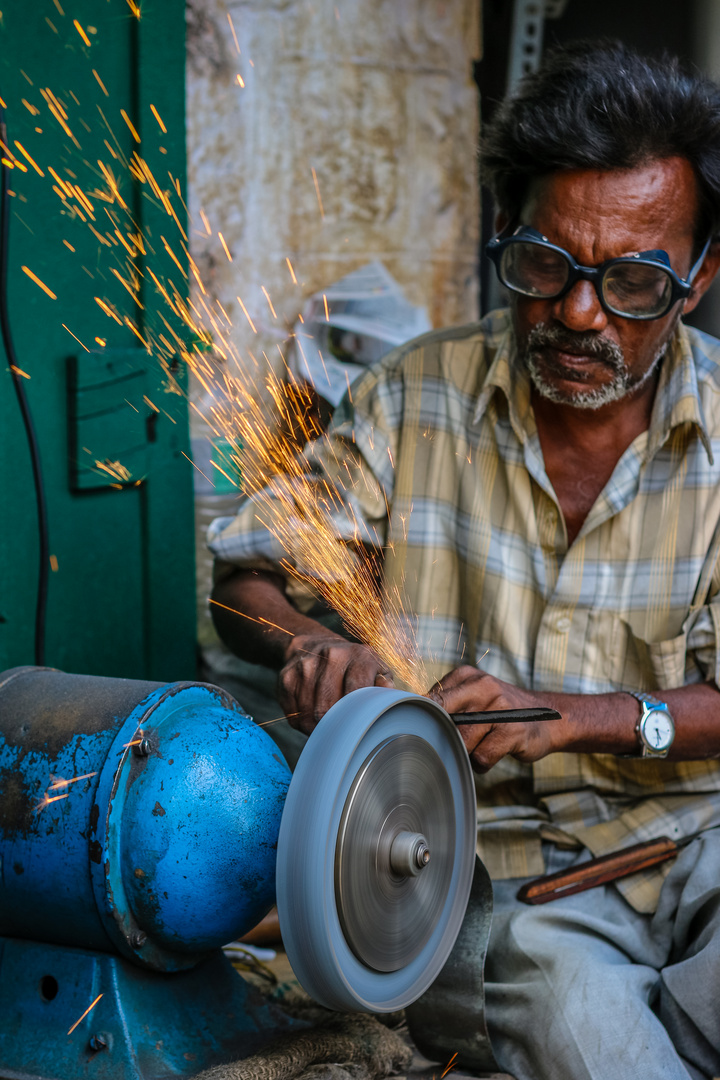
column 439, row 457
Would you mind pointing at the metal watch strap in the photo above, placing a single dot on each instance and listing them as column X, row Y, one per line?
column 645, row 700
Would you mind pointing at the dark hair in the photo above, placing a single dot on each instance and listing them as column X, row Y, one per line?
column 601, row 105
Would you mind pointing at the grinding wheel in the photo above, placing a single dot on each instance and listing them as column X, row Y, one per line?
column 376, row 851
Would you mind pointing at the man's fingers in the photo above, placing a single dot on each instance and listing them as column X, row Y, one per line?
column 364, row 672
column 488, row 743
column 454, row 678
column 331, row 687
column 319, row 673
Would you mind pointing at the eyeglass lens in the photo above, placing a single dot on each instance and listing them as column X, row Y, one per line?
column 627, row 288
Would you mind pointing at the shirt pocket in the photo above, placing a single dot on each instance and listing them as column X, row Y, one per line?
column 648, row 665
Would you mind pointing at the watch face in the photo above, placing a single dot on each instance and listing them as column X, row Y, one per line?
column 658, row 729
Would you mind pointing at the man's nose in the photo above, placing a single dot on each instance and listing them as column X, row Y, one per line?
column 580, row 308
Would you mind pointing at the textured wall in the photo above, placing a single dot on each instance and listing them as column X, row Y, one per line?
column 377, row 97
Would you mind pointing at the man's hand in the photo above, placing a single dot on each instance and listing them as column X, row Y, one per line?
column 468, row 690
column 319, row 670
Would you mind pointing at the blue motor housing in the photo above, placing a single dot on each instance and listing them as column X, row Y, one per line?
column 135, row 817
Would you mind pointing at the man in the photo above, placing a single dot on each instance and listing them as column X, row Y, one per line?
column 546, row 486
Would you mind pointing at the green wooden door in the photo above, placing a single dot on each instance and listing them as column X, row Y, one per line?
column 94, row 101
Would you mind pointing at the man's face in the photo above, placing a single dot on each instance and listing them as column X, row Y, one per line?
column 575, row 351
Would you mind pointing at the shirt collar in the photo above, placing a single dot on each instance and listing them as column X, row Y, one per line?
column 510, row 379
column 677, row 400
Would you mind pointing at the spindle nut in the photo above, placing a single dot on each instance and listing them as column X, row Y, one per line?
column 409, row 854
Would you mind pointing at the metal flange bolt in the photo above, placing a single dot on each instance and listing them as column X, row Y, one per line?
column 138, row 939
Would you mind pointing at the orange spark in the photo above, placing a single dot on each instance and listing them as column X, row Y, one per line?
column 84, row 1014
column 265, row 622
column 245, row 312
column 225, row 247
column 64, row 187
column 232, row 28
column 25, row 154
column 65, row 783
column 59, row 113
column 75, row 336
column 220, row 470
column 449, row 1066
column 197, row 467
column 240, row 81
column 46, row 800
column 274, row 313
column 101, row 84
column 205, row 221
column 36, row 279
column 81, row 32
column 107, row 309
column 19, row 371
column 317, row 192
column 156, row 114
column 327, row 313
column 114, row 469
column 54, row 566
column 68, row 245
column 292, row 272
column 135, row 8
column 129, row 123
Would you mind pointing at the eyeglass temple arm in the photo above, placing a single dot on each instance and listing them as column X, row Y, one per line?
column 700, row 259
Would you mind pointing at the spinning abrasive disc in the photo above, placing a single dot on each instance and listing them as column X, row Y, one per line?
column 376, row 851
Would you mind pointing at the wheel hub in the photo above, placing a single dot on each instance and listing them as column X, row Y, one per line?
column 388, row 893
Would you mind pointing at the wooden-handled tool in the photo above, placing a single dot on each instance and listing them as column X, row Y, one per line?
column 594, row 872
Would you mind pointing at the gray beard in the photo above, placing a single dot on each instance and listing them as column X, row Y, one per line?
column 621, row 383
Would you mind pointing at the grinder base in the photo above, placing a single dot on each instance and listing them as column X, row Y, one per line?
column 146, row 1024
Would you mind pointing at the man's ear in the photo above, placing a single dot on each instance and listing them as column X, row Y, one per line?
column 704, row 277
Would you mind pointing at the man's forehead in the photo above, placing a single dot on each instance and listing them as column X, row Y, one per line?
column 654, row 200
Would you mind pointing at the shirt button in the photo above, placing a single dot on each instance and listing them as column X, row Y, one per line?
column 563, row 625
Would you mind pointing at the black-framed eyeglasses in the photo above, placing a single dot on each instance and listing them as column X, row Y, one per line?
column 641, row 286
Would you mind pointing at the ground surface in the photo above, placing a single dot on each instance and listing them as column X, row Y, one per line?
column 276, row 978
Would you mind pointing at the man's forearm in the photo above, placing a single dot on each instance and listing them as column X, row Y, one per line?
column 590, row 723
column 605, row 723
column 255, row 619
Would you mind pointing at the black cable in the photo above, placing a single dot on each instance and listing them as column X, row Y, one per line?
column 43, row 572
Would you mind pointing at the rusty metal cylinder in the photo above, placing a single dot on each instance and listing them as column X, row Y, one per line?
column 134, row 817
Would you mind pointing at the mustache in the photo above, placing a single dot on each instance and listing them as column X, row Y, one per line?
column 586, row 344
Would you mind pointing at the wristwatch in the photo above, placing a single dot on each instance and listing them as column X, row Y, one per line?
column 655, row 729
